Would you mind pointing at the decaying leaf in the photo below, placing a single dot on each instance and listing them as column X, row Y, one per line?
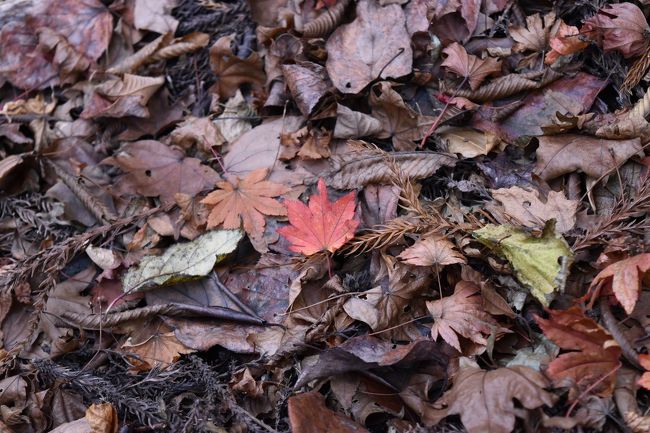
column 155, row 15
column 468, row 66
column 644, row 380
column 626, row 278
column 432, row 251
column 182, row 261
column 462, row 314
column 375, row 45
column 232, row 71
column 244, row 202
column 484, row 399
column 121, row 97
column 323, row 226
column 467, row 141
column 593, row 357
column 566, row 41
column 536, row 261
column 528, row 209
column 155, row 346
column 307, row 83
column 102, row 418
column 308, row 414
column 622, row 27
column 535, row 35
column 354, row 124
column 154, row 169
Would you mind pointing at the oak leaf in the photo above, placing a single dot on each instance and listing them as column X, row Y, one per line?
column 593, row 357
column 245, row 201
column 430, row 251
column 483, row 399
column 626, row 278
column 461, row 314
column 469, row 66
column 323, row 226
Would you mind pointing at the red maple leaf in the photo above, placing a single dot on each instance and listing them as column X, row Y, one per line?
column 323, row 226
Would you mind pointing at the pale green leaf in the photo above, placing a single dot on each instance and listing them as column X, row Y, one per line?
column 182, row 262
column 536, row 261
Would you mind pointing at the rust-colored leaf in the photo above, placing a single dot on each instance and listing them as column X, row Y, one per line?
column 468, row 66
column 625, row 278
column 308, row 414
column 644, row 381
column 323, row 226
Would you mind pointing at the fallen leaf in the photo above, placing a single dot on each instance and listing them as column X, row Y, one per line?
column 121, row 97
column 566, row 153
column 644, row 380
column 622, row 27
column 155, row 15
column 527, row 208
column 199, row 131
column 468, row 142
column 483, row 399
column 245, row 202
column 102, row 418
column 535, row 35
column 626, row 278
column 462, row 314
column 593, row 357
column 182, row 261
column 566, row 41
column 154, row 169
column 354, row 124
column 323, row 226
column 432, row 250
column 374, row 46
column 468, row 66
column 536, row 261
column 308, row 414
column 232, row 71
column 155, row 345
column 307, row 83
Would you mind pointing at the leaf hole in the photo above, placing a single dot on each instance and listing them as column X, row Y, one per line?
column 147, row 173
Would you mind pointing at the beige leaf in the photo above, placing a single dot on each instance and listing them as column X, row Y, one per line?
column 529, row 210
column 102, row 418
column 354, row 124
column 156, row 346
column 535, row 35
column 467, row 141
column 155, row 15
column 432, row 250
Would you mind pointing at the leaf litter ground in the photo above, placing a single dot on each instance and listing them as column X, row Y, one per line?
column 324, row 216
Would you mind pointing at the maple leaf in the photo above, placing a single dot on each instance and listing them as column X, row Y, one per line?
column 533, row 37
column 432, row 250
column 644, row 381
column 461, row 313
column 323, row 226
column 245, row 201
column 626, row 277
column 566, row 41
column 468, row 66
column 594, row 353
column 483, row 399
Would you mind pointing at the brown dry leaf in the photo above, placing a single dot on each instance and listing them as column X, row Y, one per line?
column 468, row 66
column 199, row 131
column 232, row 71
column 461, row 314
column 316, row 145
column 528, row 209
column 468, row 142
column 308, row 414
column 244, row 202
column 154, row 169
column 432, row 250
column 484, row 399
column 562, row 154
column 626, row 278
column 155, row 15
column 117, row 97
column 155, row 346
column 102, row 418
column 535, row 35
column 400, row 122
column 308, row 85
column 375, row 45
column 566, row 41
column 622, row 27
column 354, row 124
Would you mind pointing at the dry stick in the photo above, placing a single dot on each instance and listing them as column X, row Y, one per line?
column 612, row 326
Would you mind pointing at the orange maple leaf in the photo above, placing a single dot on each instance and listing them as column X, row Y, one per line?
column 246, row 201
column 626, row 277
column 323, row 226
column 594, row 355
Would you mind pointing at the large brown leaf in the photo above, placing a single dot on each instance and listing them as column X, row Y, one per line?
column 484, row 399
column 375, row 45
column 120, row 97
column 432, row 251
column 153, row 169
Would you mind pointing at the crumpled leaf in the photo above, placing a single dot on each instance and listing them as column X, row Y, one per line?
column 245, row 202
column 155, row 15
column 626, row 278
column 535, row 35
column 566, row 153
column 308, row 414
column 232, row 71
column 566, row 41
column 527, row 208
column 120, row 97
column 197, row 130
column 102, row 418
column 622, row 27
column 155, row 345
column 484, row 399
column 375, row 45
column 182, row 261
column 354, row 124
column 432, row 250
column 467, row 141
column 307, row 83
column 462, row 314
column 468, row 66
column 536, row 261
column 154, row 169
column 594, row 353
column 323, row 226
